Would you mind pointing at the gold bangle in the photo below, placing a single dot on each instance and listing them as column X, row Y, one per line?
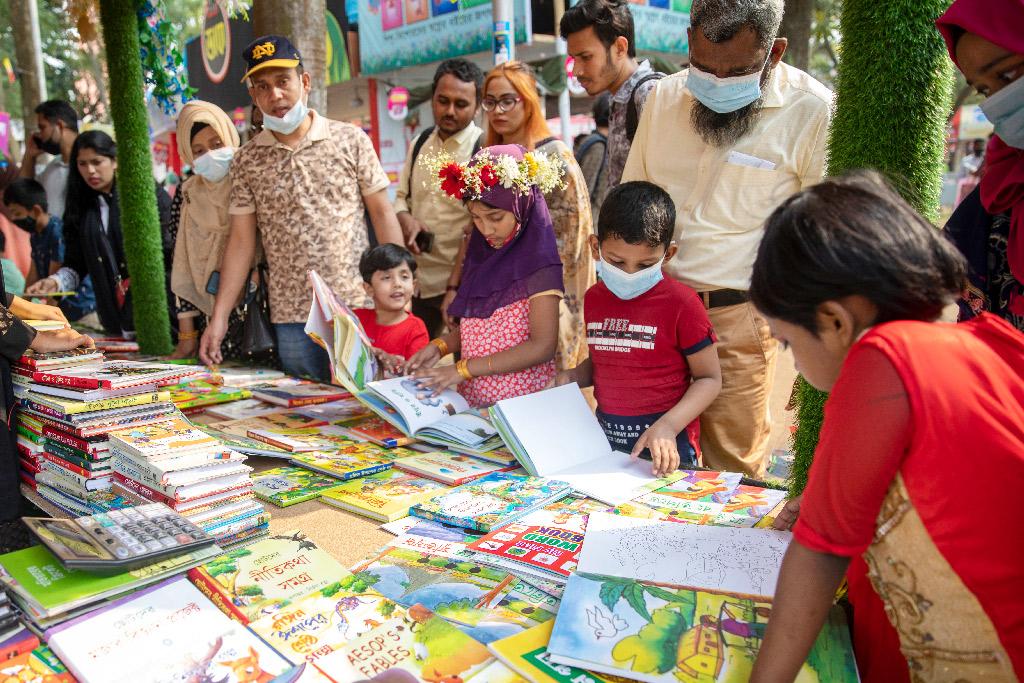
column 188, row 335
column 490, row 368
column 462, row 367
column 441, row 345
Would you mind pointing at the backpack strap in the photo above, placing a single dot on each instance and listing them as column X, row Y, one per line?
column 594, row 138
column 416, row 147
column 632, row 114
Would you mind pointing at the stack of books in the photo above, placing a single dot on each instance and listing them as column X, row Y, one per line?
column 68, row 404
column 174, row 463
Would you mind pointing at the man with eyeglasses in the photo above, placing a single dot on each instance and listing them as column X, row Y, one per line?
column 730, row 139
column 432, row 226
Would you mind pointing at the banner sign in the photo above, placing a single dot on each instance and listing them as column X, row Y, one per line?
column 398, row 33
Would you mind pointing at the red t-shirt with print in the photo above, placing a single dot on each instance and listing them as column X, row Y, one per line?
column 639, row 347
column 402, row 339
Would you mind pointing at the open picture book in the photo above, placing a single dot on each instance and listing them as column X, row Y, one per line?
column 445, row 420
column 553, row 433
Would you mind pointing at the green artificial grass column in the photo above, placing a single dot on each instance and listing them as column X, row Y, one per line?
column 140, row 220
column 893, row 92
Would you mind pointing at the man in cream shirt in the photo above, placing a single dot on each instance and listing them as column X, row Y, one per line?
column 730, row 139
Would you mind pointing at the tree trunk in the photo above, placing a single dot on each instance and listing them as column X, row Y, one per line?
column 26, row 52
column 304, row 23
column 140, row 221
column 893, row 91
column 796, row 26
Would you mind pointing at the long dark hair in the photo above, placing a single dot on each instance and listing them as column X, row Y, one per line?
column 853, row 235
column 80, row 196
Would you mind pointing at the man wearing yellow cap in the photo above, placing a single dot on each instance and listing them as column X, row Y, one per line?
column 307, row 182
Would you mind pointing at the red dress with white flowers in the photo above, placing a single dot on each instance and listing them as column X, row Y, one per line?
column 508, row 327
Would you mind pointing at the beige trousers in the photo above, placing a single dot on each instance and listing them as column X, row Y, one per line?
column 735, row 428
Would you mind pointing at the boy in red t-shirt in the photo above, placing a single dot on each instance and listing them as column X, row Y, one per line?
column 389, row 276
column 653, row 363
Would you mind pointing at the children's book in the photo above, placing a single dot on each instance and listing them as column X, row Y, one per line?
column 164, row 440
column 284, row 486
column 341, row 465
column 336, row 412
column 445, row 420
column 401, row 525
column 39, row 665
column 62, row 407
column 25, row 383
column 322, row 438
column 416, row 641
column 116, row 374
column 323, row 621
column 526, row 653
column 647, row 631
column 449, row 468
column 492, row 501
column 553, row 433
column 43, row 587
column 332, row 325
column 748, row 505
column 200, row 393
column 434, row 538
column 385, row 496
column 379, row 431
column 88, row 425
column 243, row 409
column 543, row 541
column 79, row 356
column 275, row 420
column 242, row 376
column 243, row 444
column 259, row 579
column 695, row 498
column 165, row 633
column 299, row 392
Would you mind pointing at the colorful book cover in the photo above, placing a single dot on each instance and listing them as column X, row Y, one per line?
column 379, row 431
column 323, row 621
column 695, row 498
column 385, row 496
column 40, row 665
column 163, row 438
column 115, row 374
column 748, row 505
column 342, row 466
column 200, row 393
column 243, row 409
column 243, row 376
column 275, row 420
column 35, row 359
column 244, row 444
column 543, row 540
column 302, row 393
column 345, row 410
column 167, row 632
column 66, row 407
column 493, row 501
column 660, row 634
column 449, row 468
column 526, row 653
column 322, row 438
column 259, row 579
column 50, row 588
column 284, row 486
column 416, row 641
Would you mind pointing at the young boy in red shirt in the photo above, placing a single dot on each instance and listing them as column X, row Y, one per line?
column 389, row 277
column 653, row 363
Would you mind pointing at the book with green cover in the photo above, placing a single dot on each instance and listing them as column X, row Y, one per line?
column 284, row 486
column 261, row 578
column 199, row 393
column 493, row 501
column 46, row 588
column 64, row 406
column 526, row 653
column 385, row 496
column 320, row 438
column 244, row 444
column 342, row 466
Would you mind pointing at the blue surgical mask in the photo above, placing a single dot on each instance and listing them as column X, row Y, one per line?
column 628, row 286
column 214, row 164
column 1005, row 110
column 287, row 124
column 725, row 95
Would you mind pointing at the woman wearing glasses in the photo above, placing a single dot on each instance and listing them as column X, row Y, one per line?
column 514, row 116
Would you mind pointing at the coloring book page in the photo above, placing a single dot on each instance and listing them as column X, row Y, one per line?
column 736, row 560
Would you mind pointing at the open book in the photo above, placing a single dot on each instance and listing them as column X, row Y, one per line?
column 445, row 420
column 334, row 326
column 553, row 433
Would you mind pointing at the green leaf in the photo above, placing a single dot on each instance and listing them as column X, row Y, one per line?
column 611, row 591
column 634, row 594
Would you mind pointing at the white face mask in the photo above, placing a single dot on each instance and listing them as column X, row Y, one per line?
column 214, row 165
column 288, row 123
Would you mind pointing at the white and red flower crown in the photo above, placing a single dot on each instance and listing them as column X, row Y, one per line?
column 464, row 182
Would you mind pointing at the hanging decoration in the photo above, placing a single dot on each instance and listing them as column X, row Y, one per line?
column 163, row 66
column 235, row 8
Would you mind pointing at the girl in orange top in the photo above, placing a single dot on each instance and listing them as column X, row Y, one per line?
column 853, row 279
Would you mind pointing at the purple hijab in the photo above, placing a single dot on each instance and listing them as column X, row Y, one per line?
column 529, row 264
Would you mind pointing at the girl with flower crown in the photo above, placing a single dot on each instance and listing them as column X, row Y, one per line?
column 507, row 303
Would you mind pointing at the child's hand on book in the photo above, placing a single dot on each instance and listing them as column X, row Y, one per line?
column 436, row 380
column 426, row 357
column 393, row 365
column 789, row 514
column 661, row 440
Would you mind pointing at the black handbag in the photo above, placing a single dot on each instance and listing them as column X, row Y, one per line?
column 257, row 332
